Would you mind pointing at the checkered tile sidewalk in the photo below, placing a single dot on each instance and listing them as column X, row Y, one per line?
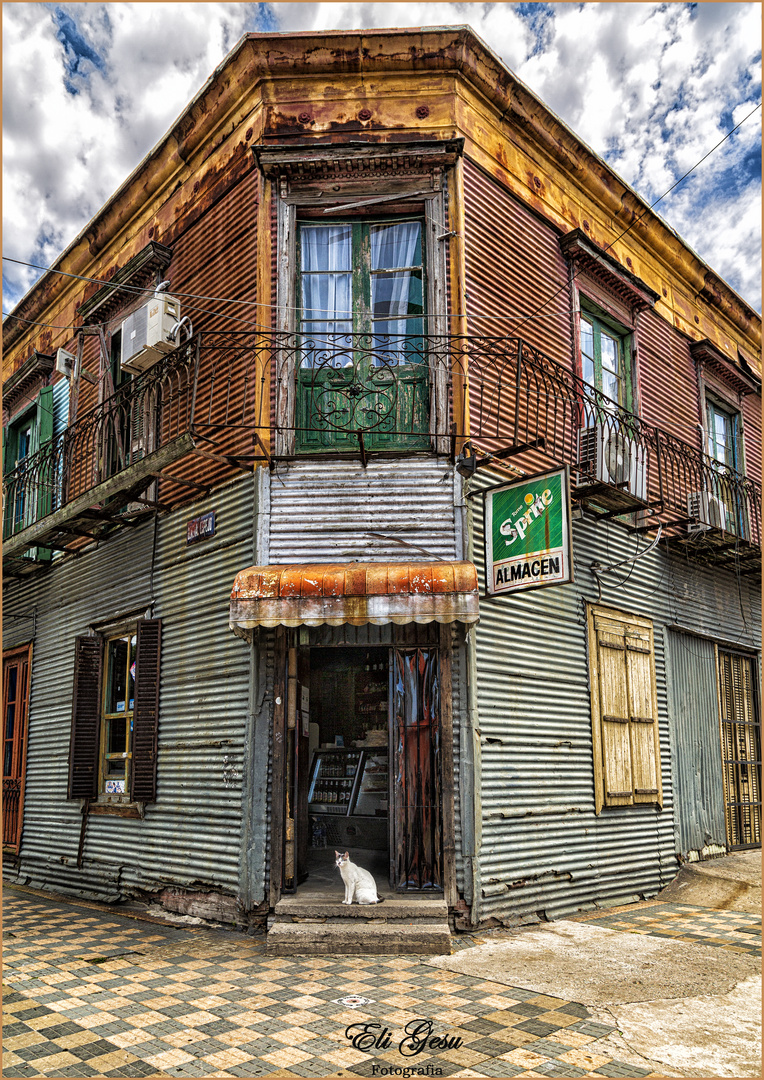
column 91, row 994
column 736, row 931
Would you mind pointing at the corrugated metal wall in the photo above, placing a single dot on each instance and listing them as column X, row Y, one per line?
column 543, row 848
column 667, row 378
column 694, row 730
column 514, row 266
column 191, row 835
column 327, row 511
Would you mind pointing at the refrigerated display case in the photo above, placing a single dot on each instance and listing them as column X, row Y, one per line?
column 333, row 778
column 348, row 795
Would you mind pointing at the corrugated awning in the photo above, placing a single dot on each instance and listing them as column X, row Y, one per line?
column 311, row 594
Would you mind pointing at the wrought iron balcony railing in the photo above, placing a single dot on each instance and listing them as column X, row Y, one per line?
column 230, row 395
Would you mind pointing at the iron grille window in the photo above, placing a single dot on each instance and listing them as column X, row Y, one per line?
column 741, row 748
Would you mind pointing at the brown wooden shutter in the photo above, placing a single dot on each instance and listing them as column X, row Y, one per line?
column 86, row 718
column 146, row 711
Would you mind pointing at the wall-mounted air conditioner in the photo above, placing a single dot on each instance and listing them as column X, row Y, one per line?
column 145, row 332
column 707, row 511
column 607, row 455
column 65, row 362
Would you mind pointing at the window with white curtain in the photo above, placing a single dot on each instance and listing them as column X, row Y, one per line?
column 362, row 278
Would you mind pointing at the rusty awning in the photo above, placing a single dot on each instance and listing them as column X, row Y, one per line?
column 311, row 594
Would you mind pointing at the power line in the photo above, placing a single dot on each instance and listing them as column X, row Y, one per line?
column 252, row 303
column 349, row 311
column 646, row 210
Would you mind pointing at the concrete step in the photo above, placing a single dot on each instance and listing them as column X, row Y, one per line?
column 349, row 937
column 391, row 908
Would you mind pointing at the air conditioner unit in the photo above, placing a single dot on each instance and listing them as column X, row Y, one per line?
column 608, row 455
column 707, row 511
column 145, row 332
column 65, row 362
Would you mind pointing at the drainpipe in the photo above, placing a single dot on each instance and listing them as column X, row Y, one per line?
column 470, row 760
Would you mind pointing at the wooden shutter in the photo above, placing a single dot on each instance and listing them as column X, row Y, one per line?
column 643, row 714
column 86, row 718
column 624, row 710
column 146, row 711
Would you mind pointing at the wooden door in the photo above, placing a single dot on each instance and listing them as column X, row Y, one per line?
column 15, row 710
column 416, row 848
column 741, row 748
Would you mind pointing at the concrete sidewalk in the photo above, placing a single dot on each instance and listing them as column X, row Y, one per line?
column 656, row 988
column 684, row 995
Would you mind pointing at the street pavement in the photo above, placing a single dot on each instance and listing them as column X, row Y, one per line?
column 657, row 988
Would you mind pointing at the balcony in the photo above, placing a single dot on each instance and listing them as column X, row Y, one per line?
column 168, row 434
column 220, row 400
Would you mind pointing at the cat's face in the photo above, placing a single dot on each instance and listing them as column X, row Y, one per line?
column 340, row 859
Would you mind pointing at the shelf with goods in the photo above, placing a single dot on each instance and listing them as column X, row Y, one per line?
column 371, row 695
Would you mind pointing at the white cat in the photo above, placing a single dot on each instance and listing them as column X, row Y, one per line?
column 359, row 884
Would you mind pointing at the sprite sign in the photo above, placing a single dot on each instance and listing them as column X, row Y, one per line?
column 527, row 533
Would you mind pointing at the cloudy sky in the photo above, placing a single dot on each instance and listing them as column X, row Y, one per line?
column 88, row 89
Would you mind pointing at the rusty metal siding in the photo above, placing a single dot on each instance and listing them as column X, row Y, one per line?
column 543, row 848
column 751, row 411
column 694, row 729
column 667, row 378
column 513, row 266
column 191, row 835
column 217, row 257
column 328, row 511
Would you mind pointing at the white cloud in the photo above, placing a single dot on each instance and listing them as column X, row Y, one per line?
column 90, row 88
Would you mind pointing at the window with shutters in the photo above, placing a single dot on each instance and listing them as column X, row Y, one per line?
column 741, row 748
column 624, row 709
column 115, row 713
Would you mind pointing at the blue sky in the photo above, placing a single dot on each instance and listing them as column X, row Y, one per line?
column 88, row 89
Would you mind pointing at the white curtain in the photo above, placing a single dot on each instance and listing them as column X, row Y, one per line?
column 393, row 246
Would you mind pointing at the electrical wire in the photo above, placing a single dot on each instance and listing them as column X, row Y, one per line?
column 450, row 314
column 648, row 209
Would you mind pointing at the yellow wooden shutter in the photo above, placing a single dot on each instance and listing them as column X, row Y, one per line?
column 643, row 714
column 624, row 710
column 614, row 717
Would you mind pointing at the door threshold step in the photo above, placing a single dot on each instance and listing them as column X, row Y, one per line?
column 341, row 937
column 390, row 908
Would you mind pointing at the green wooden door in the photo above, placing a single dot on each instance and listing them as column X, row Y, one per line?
column 362, row 362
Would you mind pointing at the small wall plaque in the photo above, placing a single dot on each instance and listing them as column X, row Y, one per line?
column 200, row 528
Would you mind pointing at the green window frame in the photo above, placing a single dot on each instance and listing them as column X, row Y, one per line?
column 30, row 496
column 368, row 280
column 606, row 357
column 723, row 435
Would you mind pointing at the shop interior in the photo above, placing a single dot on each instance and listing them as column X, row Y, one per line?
column 348, row 775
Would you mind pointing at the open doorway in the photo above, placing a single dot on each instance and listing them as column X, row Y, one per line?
column 366, row 763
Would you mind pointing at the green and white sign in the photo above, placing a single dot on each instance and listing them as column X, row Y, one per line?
column 527, row 533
